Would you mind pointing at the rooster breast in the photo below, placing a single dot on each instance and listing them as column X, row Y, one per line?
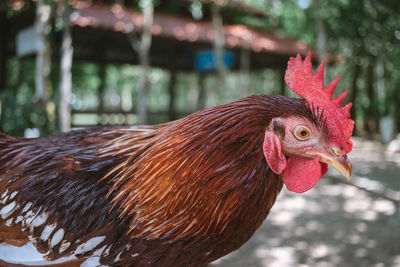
column 53, row 208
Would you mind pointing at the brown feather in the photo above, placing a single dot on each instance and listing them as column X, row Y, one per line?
column 12, row 235
column 202, row 178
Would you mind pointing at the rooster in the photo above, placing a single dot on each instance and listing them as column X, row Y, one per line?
column 182, row 193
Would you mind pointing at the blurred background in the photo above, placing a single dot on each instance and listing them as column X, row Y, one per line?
column 70, row 64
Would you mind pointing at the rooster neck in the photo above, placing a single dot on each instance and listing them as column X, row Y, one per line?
column 218, row 208
column 204, row 175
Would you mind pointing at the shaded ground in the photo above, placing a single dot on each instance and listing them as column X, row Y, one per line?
column 335, row 223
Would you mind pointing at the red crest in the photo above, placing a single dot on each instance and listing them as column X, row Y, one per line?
column 301, row 80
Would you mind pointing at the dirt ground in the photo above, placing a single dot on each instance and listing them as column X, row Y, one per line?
column 337, row 223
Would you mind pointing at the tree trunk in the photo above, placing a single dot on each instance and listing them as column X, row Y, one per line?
column 396, row 107
column 143, row 89
column 354, row 93
column 219, row 43
column 382, row 90
column 66, row 75
column 42, row 73
column 142, row 47
column 3, row 55
column 171, row 91
column 100, row 90
column 282, row 79
column 201, row 100
column 321, row 37
column 245, row 54
column 43, row 64
column 372, row 116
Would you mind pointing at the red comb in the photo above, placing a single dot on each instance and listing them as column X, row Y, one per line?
column 301, row 80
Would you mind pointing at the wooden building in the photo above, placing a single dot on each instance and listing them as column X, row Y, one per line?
column 100, row 28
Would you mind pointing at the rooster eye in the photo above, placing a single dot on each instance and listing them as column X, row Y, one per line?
column 302, row 133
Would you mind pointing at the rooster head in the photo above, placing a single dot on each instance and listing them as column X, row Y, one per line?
column 301, row 147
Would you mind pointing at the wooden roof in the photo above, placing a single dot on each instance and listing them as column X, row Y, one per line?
column 117, row 19
column 99, row 35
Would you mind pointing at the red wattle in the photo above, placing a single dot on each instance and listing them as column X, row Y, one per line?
column 273, row 153
column 302, row 174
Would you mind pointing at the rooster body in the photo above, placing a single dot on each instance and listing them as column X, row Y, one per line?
column 179, row 194
column 186, row 214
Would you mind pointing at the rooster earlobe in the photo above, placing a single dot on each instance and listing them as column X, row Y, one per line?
column 273, row 153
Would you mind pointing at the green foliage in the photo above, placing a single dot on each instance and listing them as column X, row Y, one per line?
column 364, row 32
column 17, row 108
column 16, row 114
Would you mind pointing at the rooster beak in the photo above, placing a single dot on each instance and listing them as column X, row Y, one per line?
column 342, row 164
